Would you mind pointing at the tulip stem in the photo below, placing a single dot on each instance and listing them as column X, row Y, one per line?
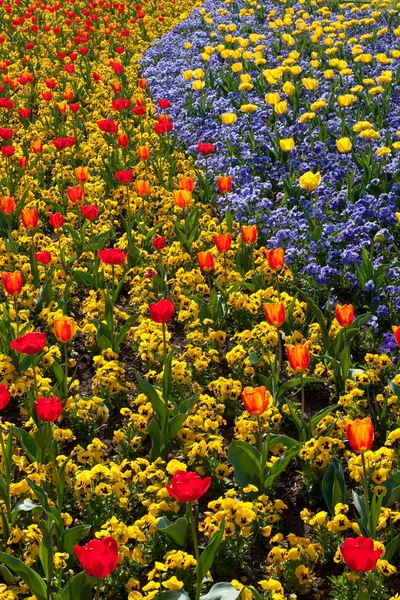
column 196, row 552
column 66, row 371
column 303, row 400
column 7, row 470
column 260, row 433
column 279, row 353
column 98, row 589
column 164, row 343
column 360, row 585
column 53, row 461
column 35, row 385
column 16, row 314
column 366, row 495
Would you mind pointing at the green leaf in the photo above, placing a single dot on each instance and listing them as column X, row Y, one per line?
column 28, row 443
column 46, row 548
column 246, row 463
column 222, row 591
column 321, row 414
column 333, row 485
column 280, row 465
column 124, row 330
column 79, row 586
column 71, row 537
column 208, row 555
column 175, row 595
column 318, row 314
column 392, row 547
column 177, row 530
column 156, row 402
column 23, row 506
column 61, row 482
column 393, row 490
column 154, row 431
column 34, row 582
column 167, row 377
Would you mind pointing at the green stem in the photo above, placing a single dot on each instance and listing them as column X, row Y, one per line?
column 303, row 401
column 53, row 459
column 66, row 371
column 366, row 494
column 98, row 589
column 7, row 470
column 279, row 353
column 360, row 585
column 196, row 553
column 164, row 343
column 16, row 314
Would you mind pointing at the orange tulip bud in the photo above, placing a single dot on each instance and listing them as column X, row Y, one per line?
column 225, row 184
column 37, row 147
column 142, row 187
column 206, row 261
column 143, row 152
column 186, row 183
column 117, row 87
column 344, row 314
column 7, row 204
column 61, row 106
column 223, row 242
column 249, row 234
column 298, row 357
column 12, row 282
column 396, row 333
column 275, row 313
column 142, row 83
column 68, row 95
column 182, row 198
column 82, row 174
column 275, row 258
column 360, row 434
column 256, row 400
column 64, row 328
column 29, row 218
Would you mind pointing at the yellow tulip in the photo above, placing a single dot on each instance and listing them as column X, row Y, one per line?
column 310, row 181
column 343, row 145
column 287, row 144
column 249, row 108
column 272, row 98
column 228, row 118
column 281, row 107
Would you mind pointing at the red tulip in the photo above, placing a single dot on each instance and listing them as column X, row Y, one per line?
column 75, row 193
column 123, row 140
column 396, row 333
column 7, row 151
column 162, row 311
column 90, row 211
column 65, row 142
column 275, row 258
column 12, row 282
column 124, row 176
column 43, row 257
column 112, row 256
column 163, row 103
column 56, row 220
column 359, row 554
column 108, row 126
column 98, row 558
column 205, row 149
column 344, row 314
column 4, row 396
column 6, row 134
column 30, row 343
column 7, row 204
column 223, row 242
column 187, row 486
column 48, row 409
column 121, row 104
column 159, row 243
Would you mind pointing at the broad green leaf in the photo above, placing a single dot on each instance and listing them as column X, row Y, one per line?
column 222, row 591
column 79, row 587
column 208, row 555
column 34, row 582
column 246, row 463
column 71, row 537
column 177, row 530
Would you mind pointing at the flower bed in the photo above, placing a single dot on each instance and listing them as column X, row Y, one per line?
column 180, row 417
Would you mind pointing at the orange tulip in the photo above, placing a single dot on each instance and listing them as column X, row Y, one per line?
column 298, row 357
column 206, row 261
column 360, row 434
column 61, row 106
column 186, row 183
column 64, row 328
column 29, row 218
column 143, row 152
column 68, row 95
column 182, row 198
column 256, row 400
column 344, row 314
column 82, row 174
column 75, row 193
column 12, row 282
column 117, row 87
column 37, row 147
column 225, row 184
column 223, row 242
column 275, row 313
column 7, row 205
column 249, row 234
column 275, row 258
column 142, row 187
column 396, row 333
column 142, row 83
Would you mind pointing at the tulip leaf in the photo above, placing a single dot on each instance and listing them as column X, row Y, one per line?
column 392, row 547
column 321, row 414
column 154, row 431
column 28, row 443
column 167, row 377
column 280, row 465
column 80, row 586
column 245, row 459
column 71, row 537
column 34, row 582
column 208, row 555
column 157, row 403
column 222, row 591
column 393, row 490
column 177, row 530
column 173, row 595
column 333, row 486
